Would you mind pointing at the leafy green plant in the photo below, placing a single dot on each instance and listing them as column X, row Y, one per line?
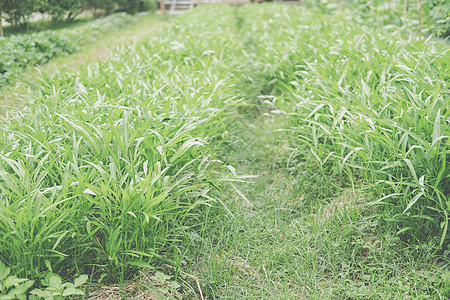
column 12, row 287
column 438, row 17
column 56, row 289
column 20, row 51
column 120, row 156
column 364, row 109
column 111, row 168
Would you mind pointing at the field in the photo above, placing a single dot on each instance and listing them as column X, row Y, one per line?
column 263, row 151
column 20, row 51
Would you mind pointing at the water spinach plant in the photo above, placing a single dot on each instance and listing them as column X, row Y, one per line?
column 20, row 51
column 368, row 106
column 103, row 167
column 121, row 164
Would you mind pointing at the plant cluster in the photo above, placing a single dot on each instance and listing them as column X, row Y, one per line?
column 433, row 14
column 19, row 51
column 438, row 17
column 367, row 106
column 12, row 287
column 109, row 168
column 103, row 169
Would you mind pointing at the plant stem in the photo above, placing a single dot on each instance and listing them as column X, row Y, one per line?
column 404, row 9
column 420, row 19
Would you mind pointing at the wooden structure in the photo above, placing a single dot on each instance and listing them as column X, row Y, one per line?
column 173, row 5
column 176, row 5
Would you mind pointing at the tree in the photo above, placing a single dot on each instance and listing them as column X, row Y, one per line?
column 59, row 8
column 130, row 6
column 1, row 19
column 108, row 5
column 18, row 12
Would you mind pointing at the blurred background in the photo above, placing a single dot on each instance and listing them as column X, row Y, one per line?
column 434, row 15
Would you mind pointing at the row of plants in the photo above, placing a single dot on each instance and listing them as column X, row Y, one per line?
column 103, row 170
column 20, row 51
column 366, row 106
column 427, row 16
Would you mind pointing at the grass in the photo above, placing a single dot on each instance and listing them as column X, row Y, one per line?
column 145, row 26
column 302, row 240
column 111, row 148
column 45, row 25
column 21, row 51
column 377, row 117
column 218, row 152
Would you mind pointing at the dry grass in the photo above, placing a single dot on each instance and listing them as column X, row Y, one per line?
column 347, row 201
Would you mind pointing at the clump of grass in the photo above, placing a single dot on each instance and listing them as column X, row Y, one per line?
column 103, row 168
column 301, row 238
column 367, row 106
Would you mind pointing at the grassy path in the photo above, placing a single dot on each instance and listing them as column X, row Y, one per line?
column 293, row 236
column 263, row 240
column 298, row 240
column 145, row 26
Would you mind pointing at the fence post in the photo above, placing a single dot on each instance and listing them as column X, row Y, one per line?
column 420, row 19
column 404, row 9
column 1, row 25
column 162, row 7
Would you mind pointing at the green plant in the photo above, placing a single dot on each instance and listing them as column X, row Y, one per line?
column 438, row 17
column 131, row 162
column 119, row 159
column 368, row 111
column 56, row 289
column 12, row 287
column 17, row 12
column 20, row 51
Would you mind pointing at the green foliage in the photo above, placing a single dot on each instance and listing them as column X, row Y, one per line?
column 109, row 168
column 148, row 5
column 438, row 17
column 56, row 289
column 302, row 238
column 12, row 287
column 435, row 13
column 108, row 5
column 367, row 105
column 106, row 166
column 59, row 8
column 20, row 51
column 17, row 12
